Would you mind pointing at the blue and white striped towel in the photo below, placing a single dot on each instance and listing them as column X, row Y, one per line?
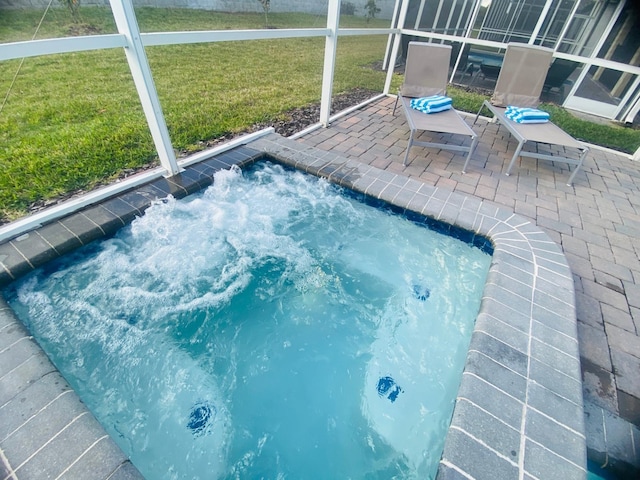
column 526, row 115
column 432, row 104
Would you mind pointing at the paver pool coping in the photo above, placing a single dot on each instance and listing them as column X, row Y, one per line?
column 519, row 411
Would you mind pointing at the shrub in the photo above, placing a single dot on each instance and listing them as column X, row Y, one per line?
column 74, row 8
column 372, row 9
column 348, row 8
column 266, row 6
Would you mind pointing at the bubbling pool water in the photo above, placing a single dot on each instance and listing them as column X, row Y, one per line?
column 269, row 327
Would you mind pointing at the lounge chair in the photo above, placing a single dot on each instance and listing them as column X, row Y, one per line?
column 519, row 84
column 426, row 74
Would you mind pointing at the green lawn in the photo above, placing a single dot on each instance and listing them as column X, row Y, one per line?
column 74, row 121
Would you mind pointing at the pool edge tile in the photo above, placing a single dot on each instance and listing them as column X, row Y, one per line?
column 31, row 380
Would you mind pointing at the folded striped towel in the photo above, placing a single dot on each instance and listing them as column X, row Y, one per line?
column 432, row 104
column 526, row 115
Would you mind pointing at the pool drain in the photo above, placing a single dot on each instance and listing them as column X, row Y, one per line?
column 202, row 414
column 387, row 387
column 421, row 292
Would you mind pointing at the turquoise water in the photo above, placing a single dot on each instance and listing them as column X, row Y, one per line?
column 596, row 472
column 270, row 327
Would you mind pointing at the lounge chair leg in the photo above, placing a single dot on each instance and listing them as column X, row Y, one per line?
column 582, row 155
column 478, row 114
column 474, row 142
column 395, row 105
column 406, row 155
column 513, row 159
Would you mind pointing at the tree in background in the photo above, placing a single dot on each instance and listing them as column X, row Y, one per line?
column 348, row 8
column 74, row 8
column 266, row 6
column 372, row 9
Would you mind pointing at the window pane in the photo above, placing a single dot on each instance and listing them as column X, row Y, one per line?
column 588, row 26
column 554, row 22
column 605, row 85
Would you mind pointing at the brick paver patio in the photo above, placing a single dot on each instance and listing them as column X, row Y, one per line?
column 596, row 221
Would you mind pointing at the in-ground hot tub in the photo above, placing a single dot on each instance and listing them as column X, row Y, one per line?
column 519, row 406
column 270, row 326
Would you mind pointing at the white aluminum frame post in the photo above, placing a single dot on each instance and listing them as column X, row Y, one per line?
column 127, row 24
column 402, row 15
column 331, row 45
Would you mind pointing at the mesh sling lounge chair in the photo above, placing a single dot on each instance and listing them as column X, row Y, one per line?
column 520, row 83
column 425, row 74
